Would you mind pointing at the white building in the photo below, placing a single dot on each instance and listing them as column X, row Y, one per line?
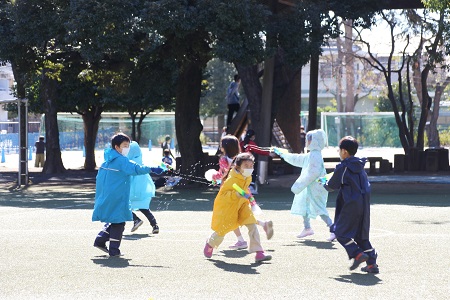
column 6, row 84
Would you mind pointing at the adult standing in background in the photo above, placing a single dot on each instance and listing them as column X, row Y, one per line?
column 233, row 98
column 40, row 153
column 302, row 139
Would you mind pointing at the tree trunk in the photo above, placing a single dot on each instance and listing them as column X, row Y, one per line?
column 187, row 119
column 253, row 91
column 287, row 102
column 91, row 120
column 139, row 127
column 338, row 71
column 349, row 67
column 53, row 161
column 313, row 90
column 133, row 125
column 424, row 108
column 433, row 133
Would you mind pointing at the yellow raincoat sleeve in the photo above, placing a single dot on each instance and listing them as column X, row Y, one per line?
column 230, row 209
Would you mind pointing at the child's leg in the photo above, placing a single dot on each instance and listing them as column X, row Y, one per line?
column 238, row 234
column 327, row 220
column 255, row 244
column 103, row 236
column 307, row 230
column 267, row 226
column 151, row 218
column 255, row 241
column 135, row 218
column 215, row 240
column 241, row 243
column 353, row 251
column 306, row 222
column 369, row 250
column 116, row 231
column 350, row 246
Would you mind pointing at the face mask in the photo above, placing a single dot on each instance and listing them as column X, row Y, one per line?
column 125, row 151
column 247, row 172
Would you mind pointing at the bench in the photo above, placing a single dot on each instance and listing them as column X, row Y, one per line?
column 277, row 165
column 384, row 165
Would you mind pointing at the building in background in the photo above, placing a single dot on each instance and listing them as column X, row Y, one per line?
column 6, row 84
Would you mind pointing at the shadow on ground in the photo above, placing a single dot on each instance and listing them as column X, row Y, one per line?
column 359, row 279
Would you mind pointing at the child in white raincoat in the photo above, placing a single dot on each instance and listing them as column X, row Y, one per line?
column 310, row 199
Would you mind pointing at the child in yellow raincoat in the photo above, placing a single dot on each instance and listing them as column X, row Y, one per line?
column 232, row 210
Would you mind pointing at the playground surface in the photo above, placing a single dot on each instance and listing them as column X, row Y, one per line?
column 47, row 253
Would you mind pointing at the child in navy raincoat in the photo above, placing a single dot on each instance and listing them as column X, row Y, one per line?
column 112, row 193
column 352, row 217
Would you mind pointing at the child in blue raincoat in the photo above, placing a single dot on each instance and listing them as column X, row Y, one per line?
column 310, row 198
column 112, row 193
column 142, row 191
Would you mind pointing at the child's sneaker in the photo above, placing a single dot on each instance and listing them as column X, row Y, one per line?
column 208, row 251
column 136, row 224
column 239, row 245
column 332, row 237
column 155, row 229
column 101, row 247
column 305, row 232
column 268, row 228
column 371, row 269
column 359, row 259
column 116, row 255
column 261, row 256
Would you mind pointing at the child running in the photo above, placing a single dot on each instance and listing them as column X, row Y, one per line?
column 310, row 198
column 112, row 193
column 230, row 148
column 232, row 210
column 141, row 192
column 352, row 217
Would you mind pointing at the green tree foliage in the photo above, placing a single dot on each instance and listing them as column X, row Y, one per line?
column 218, row 75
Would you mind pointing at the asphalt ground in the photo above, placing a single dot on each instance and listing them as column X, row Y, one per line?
column 47, row 236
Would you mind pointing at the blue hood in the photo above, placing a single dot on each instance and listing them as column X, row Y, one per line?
column 354, row 164
column 110, row 154
column 135, row 153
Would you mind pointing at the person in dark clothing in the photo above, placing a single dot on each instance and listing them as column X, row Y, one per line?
column 302, row 139
column 352, row 217
column 232, row 97
column 166, row 145
column 40, row 153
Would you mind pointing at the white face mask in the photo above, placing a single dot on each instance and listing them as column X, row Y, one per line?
column 247, row 172
column 125, row 151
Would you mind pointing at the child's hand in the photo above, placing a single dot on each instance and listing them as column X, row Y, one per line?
column 157, row 170
column 279, row 151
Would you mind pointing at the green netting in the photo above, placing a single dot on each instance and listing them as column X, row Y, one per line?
column 370, row 129
column 154, row 127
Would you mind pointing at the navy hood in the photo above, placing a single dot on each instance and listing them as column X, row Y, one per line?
column 354, row 164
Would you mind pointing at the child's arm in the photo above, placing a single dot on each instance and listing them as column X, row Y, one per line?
column 335, row 182
column 132, row 168
column 294, row 159
column 315, row 169
column 223, row 169
column 251, row 147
